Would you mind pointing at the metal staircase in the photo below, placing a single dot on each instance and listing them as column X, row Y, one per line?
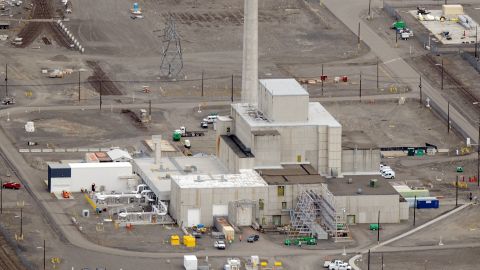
column 317, row 207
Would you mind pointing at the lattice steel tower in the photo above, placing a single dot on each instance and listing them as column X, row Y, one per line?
column 172, row 59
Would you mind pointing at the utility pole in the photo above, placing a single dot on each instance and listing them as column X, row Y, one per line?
column 378, row 231
column 100, row 94
column 359, row 36
column 232, row 90
column 377, row 74
column 414, row 209
column 396, row 38
column 44, row 257
column 382, row 260
column 6, row 80
column 476, row 40
column 79, row 86
column 21, row 222
column 360, row 86
column 202, row 83
column 448, row 117
column 456, row 192
column 369, row 9
column 368, row 263
column 322, row 79
column 442, row 73
column 150, row 110
column 420, row 88
column 1, row 196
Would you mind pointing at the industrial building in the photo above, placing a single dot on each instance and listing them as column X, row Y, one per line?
column 284, row 128
column 196, row 199
column 107, row 176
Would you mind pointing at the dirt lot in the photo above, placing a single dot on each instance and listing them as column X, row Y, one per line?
column 389, row 124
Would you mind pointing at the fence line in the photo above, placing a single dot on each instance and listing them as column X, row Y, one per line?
column 14, row 245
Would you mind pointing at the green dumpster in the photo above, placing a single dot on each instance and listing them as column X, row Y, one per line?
column 420, row 152
column 411, row 152
column 374, row 227
column 177, row 135
column 459, row 169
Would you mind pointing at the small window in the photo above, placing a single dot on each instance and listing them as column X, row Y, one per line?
column 284, row 205
column 228, row 129
column 281, row 191
column 260, row 204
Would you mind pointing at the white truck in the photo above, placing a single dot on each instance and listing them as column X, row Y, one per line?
column 219, row 244
column 337, row 265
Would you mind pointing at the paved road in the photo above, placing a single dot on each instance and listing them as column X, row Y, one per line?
column 349, row 13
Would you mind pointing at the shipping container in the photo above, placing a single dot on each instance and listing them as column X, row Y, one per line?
column 426, row 204
column 222, row 225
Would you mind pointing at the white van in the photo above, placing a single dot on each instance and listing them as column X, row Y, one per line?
column 389, row 175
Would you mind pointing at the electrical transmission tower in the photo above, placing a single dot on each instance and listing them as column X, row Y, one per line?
column 172, row 59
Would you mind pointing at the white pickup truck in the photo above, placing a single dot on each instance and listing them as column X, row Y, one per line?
column 219, row 244
column 337, row 265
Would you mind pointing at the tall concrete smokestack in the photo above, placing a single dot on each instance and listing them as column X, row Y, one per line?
column 250, row 53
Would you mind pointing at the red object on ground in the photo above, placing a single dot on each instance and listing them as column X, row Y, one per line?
column 12, row 185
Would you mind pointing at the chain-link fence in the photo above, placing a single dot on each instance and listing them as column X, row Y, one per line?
column 472, row 60
column 392, row 11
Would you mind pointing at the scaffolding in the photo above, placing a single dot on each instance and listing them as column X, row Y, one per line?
column 317, row 206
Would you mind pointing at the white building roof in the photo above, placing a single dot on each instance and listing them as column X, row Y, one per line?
column 118, row 153
column 154, row 175
column 317, row 116
column 246, row 178
column 100, row 165
column 283, row 87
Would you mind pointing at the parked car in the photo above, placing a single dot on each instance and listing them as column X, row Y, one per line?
column 219, row 244
column 204, row 124
column 11, row 185
column 252, row 238
column 389, row 175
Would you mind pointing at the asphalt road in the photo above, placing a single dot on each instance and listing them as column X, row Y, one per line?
column 349, row 13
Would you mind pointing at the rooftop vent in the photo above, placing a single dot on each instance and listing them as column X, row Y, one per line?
column 350, row 180
column 359, row 191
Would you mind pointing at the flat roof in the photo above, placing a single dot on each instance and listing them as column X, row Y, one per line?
column 246, row 178
column 154, row 175
column 341, row 187
column 100, row 165
column 317, row 116
column 237, row 146
column 58, row 166
column 283, row 87
column 292, row 174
